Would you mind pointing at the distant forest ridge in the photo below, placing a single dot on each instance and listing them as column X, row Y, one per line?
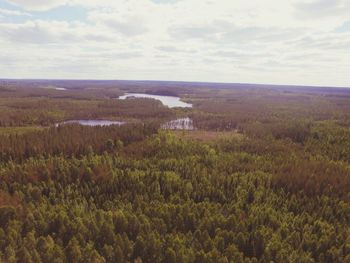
column 76, row 84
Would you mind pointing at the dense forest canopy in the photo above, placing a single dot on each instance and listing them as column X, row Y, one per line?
column 265, row 177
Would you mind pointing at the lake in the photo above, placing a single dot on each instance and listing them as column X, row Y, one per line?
column 92, row 122
column 170, row 101
column 179, row 124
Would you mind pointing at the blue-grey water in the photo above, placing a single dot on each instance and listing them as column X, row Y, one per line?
column 170, row 101
column 179, row 124
column 92, row 122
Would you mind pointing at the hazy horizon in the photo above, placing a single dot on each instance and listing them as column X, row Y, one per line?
column 177, row 81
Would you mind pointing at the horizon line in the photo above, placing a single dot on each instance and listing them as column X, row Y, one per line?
column 177, row 81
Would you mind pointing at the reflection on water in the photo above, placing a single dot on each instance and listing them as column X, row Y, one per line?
column 92, row 122
column 60, row 89
column 179, row 124
column 169, row 101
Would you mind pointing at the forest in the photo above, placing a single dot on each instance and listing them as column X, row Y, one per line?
column 263, row 177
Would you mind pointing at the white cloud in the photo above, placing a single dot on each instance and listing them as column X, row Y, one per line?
column 38, row 5
column 7, row 12
column 323, row 8
column 50, row 32
column 127, row 25
column 211, row 40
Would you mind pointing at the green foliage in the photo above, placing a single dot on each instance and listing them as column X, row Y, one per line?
column 278, row 193
column 182, row 202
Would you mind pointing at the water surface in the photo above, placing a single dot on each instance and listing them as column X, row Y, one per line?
column 170, row 101
column 92, row 122
column 179, row 124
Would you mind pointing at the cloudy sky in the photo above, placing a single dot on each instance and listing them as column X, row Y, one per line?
column 252, row 41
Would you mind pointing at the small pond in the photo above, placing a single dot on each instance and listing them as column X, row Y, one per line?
column 170, row 101
column 92, row 122
column 179, row 124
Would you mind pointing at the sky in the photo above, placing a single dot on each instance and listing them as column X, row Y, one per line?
column 301, row 42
